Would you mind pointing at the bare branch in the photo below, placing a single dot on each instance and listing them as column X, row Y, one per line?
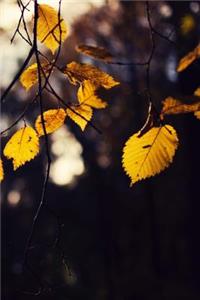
column 18, row 74
column 22, row 7
column 27, row 107
column 43, row 199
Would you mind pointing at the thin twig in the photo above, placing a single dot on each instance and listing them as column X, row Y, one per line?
column 120, row 63
column 26, row 29
column 44, row 188
column 27, row 107
column 153, row 112
column 162, row 36
column 18, row 74
column 53, row 92
column 22, row 7
column 43, row 200
column 25, row 39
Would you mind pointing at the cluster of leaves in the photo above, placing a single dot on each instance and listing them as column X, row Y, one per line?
column 23, row 145
column 145, row 154
column 151, row 150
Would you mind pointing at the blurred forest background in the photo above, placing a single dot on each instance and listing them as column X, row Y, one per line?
column 113, row 242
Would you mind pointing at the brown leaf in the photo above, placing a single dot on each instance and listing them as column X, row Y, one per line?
column 188, row 59
column 77, row 73
column 95, row 52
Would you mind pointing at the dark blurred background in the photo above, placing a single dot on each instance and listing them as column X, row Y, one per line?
column 97, row 238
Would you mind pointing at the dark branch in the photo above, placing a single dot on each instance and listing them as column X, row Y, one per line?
column 15, row 79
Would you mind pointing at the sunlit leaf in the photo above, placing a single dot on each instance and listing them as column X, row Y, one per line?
column 197, row 114
column 173, row 106
column 187, row 24
column 22, row 146
column 87, row 95
column 149, row 154
column 95, row 52
column 53, row 118
column 78, row 72
column 197, row 92
column 188, row 59
column 1, row 170
column 30, row 76
column 51, row 30
column 80, row 115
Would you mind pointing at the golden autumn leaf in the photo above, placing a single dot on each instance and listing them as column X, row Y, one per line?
column 87, row 96
column 30, row 76
column 188, row 59
column 197, row 114
column 53, row 118
column 149, row 154
column 95, row 52
column 187, row 24
column 80, row 115
column 173, row 106
column 22, row 146
column 77, row 73
column 50, row 30
column 197, row 92
column 1, row 170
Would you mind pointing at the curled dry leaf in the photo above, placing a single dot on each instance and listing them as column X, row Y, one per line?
column 95, row 52
column 149, row 154
column 173, row 106
column 77, row 73
column 188, row 59
column 51, row 30
column 53, row 119
column 23, row 146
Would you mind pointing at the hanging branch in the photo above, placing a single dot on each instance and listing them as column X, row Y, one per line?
column 152, row 116
column 149, row 61
column 43, row 199
column 152, row 111
column 44, row 287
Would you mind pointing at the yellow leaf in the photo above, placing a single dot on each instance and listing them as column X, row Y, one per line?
column 30, row 76
column 188, row 59
column 50, row 30
column 53, row 118
column 197, row 114
column 87, row 96
column 149, row 154
column 1, row 170
column 78, row 72
column 197, row 92
column 172, row 106
column 95, row 52
column 22, row 146
column 187, row 24
column 80, row 115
